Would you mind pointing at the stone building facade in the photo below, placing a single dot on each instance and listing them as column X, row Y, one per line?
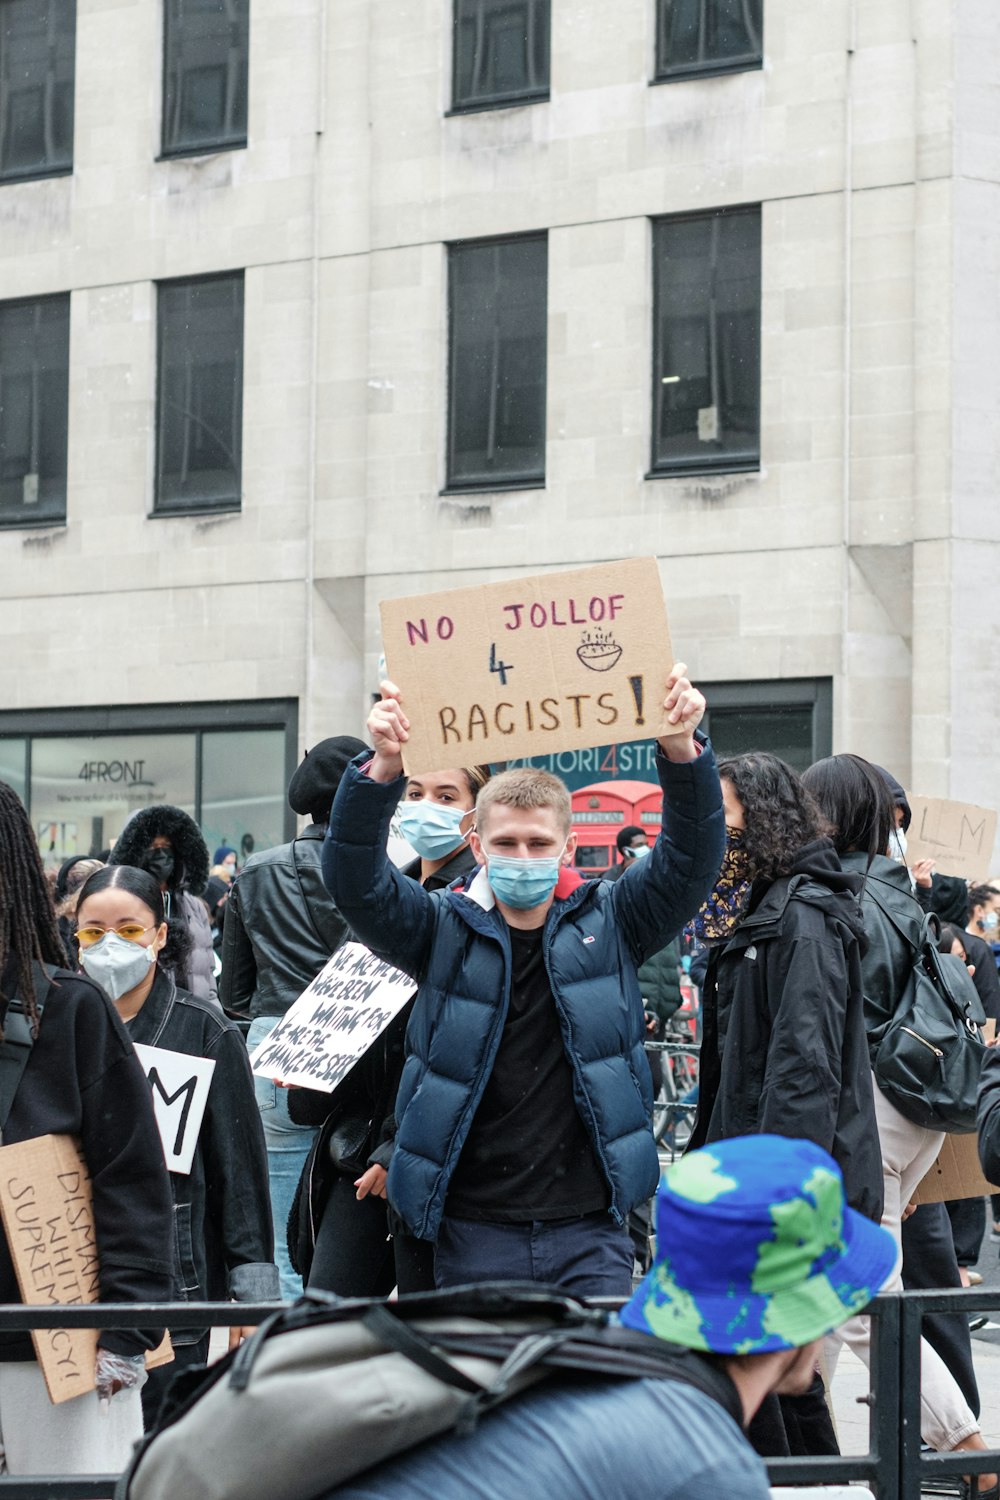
column 859, row 558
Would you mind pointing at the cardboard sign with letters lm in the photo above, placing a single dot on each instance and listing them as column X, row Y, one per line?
column 560, row 661
column 48, row 1219
column 957, row 836
column 334, row 1022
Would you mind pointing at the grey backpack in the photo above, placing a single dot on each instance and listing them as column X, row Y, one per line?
column 327, row 1389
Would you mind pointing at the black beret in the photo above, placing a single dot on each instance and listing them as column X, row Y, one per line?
column 315, row 783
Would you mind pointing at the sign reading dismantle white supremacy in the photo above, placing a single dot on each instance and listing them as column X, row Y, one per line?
column 334, row 1022
column 47, row 1207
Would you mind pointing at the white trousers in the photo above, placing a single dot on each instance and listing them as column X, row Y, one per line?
column 908, row 1151
column 75, row 1437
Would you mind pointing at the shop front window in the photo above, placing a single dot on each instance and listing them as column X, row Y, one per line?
column 81, row 789
column 242, row 790
column 85, row 788
column 13, row 765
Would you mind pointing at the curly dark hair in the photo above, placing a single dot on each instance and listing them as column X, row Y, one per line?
column 28, row 927
column 780, row 816
column 176, row 951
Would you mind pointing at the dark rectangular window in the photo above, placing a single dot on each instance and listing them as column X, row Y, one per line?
column 37, row 66
column 791, row 718
column 205, row 65
column 199, row 419
column 34, row 407
column 501, row 53
column 708, row 36
column 706, row 342
column 496, row 362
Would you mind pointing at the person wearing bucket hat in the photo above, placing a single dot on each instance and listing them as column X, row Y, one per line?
column 758, row 1256
column 280, row 929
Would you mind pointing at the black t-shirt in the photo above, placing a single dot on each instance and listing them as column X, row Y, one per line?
column 528, row 1155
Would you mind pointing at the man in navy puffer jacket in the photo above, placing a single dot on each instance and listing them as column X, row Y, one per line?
column 524, row 1106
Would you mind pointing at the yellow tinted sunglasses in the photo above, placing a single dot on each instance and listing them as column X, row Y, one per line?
column 132, row 932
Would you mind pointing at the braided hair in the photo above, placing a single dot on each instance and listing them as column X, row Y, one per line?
column 28, row 928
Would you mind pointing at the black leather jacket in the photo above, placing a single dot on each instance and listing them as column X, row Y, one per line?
column 888, row 961
column 223, row 1239
column 281, row 928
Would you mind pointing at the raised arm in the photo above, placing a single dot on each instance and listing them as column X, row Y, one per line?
column 390, row 914
column 654, row 899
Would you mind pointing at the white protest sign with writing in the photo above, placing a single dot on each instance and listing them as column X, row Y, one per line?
column 957, row 836
column 48, row 1218
column 334, row 1022
column 180, row 1085
column 560, row 661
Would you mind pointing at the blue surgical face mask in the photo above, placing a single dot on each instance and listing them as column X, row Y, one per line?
column 117, row 965
column 431, row 828
column 990, row 921
column 523, row 883
column 637, row 851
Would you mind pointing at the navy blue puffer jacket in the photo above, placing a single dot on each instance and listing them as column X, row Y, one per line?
column 456, row 945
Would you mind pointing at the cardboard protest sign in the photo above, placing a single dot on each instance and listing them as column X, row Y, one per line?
column 956, row 1173
column 561, row 661
column 334, row 1022
column 180, row 1085
column 48, row 1219
column 957, row 836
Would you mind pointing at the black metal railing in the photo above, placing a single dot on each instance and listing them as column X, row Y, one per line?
column 893, row 1468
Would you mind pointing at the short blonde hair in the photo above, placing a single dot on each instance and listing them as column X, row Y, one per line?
column 526, row 787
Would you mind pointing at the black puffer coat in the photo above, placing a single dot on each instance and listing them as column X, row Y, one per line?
column 785, row 1049
column 184, row 886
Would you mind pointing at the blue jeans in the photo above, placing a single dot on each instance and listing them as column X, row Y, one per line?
column 586, row 1257
column 288, row 1145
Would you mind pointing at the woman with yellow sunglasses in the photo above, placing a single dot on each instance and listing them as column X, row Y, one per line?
column 223, row 1241
column 68, row 1070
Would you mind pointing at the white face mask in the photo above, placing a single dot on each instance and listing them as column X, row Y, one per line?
column 897, row 846
column 117, row 965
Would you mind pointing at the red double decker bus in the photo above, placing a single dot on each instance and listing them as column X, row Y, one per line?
column 602, row 810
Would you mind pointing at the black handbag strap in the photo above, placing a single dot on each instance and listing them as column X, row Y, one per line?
column 925, row 927
column 322, row 938
column 18, row 1041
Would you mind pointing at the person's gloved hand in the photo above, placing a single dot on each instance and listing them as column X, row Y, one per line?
column 118, row 1372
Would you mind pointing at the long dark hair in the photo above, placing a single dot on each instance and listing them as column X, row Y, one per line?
column 139, row 883
column 856, row 799
column 779, row 814
column 28, row 927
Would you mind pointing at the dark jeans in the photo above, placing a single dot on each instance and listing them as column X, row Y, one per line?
column 929, row 1264
column 587, row 1257
column 186, row 1357
column 355, row 1256
column 968, row 1225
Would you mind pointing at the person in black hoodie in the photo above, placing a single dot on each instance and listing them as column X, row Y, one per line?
column 784, row 1050
column 81, row 1079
